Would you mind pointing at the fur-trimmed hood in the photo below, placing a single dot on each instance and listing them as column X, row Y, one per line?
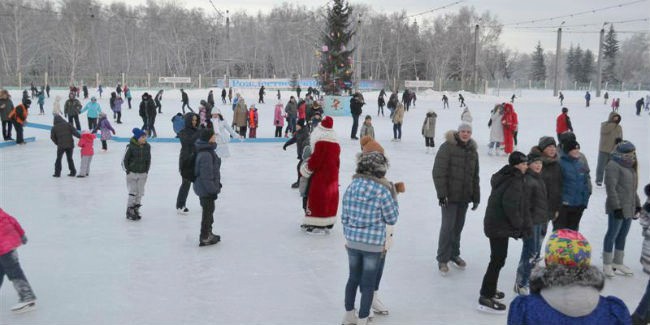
column 562, row 276
column 322, row 134
column 451, row 136
column 4, row 94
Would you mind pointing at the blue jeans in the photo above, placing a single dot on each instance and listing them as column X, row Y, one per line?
column 617, row 230
column 292, row 124
column 644, row 304
column 397, row 130
column 363, row 275
column 380, row 270
column 529, row 253
column 10, row 267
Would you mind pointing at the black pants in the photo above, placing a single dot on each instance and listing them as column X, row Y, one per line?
column 397, row 131
column 129, row 100
column 40, row 106
column 183, row 191
column 207, row 216
column 119, row 117
column 242, row 131
column 6, row 130
column 278, row 131
column 514, row 136
column 92, row 123
column 380, row 109
column 429, row 142
column 159, row 106
column 568, row 217
column 298, row 170
column 68, row 156
column 19, row 132
column 104, row 145
column 498, row 254
column 75, row 119
column 151, row 125
column 188, row 107
column 355, row 125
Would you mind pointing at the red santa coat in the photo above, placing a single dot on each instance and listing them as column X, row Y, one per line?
column 323, row 169
column 510, row 124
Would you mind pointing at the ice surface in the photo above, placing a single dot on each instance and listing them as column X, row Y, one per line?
column 88, row 264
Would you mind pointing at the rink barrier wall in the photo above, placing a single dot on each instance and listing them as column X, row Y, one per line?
column 13, row 143
column 165, row 140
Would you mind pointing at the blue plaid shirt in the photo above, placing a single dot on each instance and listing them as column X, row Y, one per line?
column 367, row 207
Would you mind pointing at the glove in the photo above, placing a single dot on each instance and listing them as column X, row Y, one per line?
column 618, row 214
column 284, row 147
column 474, row 206
column 23, row 239
column 442, row 201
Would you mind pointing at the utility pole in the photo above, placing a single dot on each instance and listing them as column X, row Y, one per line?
column 228, row 47
column 599, row 75
column 476, row 59
column 558, row 53
column 357, row 66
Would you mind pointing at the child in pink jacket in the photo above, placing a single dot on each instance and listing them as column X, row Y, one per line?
column 278, row 119
column 12, row 235
column 86, row 143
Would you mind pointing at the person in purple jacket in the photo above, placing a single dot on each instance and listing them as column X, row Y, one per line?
column 567, row 290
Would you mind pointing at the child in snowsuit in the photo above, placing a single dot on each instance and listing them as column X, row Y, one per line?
column 136, row 163
column 13, row 236
column 252, row 122
column 87, row 151
column 429, row 130
column 278, row 119
column 105, row 126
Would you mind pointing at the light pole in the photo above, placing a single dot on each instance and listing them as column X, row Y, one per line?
column 476, row 59
column 357, row 68
column 599, row 75
column 558, row 53
column 227, row 47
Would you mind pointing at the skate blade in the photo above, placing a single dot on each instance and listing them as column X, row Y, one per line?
column 380, row 312
column 619, row 272
column 488, row 310
column 24, row 307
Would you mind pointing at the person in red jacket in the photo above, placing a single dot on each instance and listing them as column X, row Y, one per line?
column 252, row 122
column 510, row 124
column 12, row 235
column 563, row 123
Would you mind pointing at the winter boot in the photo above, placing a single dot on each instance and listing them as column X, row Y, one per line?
column 24, row 306
column 618, row 263
column 490, row 305
column 130, row 214
column 378, row 306
column 136, row 210
column 350, row 318
column 211, row 239
column 607, row 265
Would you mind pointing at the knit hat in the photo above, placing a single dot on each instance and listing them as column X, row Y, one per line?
column 465, row 127
column 372, row 163
column 570, row 145
column 205, row 134
column 137, row 133
column 625, row 147
column 533, row 157
column 368, row 117
column 368, row 145
column 569, row 248
column 565, row 110
column 517, row 158
column 545, row 142
column 327, row 123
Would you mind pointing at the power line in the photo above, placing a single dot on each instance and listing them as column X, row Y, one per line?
column 592, row 11
column 582, row 25
column 435, row 9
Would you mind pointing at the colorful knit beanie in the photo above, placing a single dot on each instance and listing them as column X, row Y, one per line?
column 569, row 248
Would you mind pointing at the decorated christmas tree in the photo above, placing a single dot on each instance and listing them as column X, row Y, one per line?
column 335, row 70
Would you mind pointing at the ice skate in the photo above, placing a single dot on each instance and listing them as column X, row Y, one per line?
column 621, row 269
column 183, row 210
column 491, row 306
column 350, row 318
column 130, row 214
column 458, row 262
column 24, row 307
column 378, row 306
column 210, row 240
column 443, row 269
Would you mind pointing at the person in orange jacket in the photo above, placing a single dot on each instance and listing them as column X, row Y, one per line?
column 252, row 122
column 18, row 117
column 510, row 125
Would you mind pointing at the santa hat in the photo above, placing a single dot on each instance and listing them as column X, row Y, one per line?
column 326, row 123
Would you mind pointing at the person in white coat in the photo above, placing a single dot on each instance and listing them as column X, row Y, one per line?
column 225, row 131
column 496, row 130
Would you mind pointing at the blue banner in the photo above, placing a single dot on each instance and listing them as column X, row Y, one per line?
column 336, row 105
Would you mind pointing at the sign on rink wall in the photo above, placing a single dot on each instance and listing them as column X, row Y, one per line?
column 418, row 83
column 177, row 80
column 286, row 83
column 337, row 105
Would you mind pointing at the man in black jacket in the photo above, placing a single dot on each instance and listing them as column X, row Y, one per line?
column 208, row 183
column 61, row 134
column 356, row 103
column 188, row 136
column 186, row 101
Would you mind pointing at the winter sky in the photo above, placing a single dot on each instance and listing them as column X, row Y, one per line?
column 581, row 28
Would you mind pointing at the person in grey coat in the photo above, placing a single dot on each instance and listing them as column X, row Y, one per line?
column 610, row 131
column 207, row 184
column 456, row 178
column 61, row 134
column 622, row 205
column 429, row 130
column 71, row 109
column 6, row 105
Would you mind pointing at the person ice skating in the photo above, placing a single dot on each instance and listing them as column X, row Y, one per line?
column 622, row 205
column 606, row 97
column 47, row 90
column 158, row 100
column 561, row 97
column 261, row 94
column 71, row 110
column 303, row 181
column 118, row 89
column 240, row 117
column 496, row 130
column 323, row 169
column 253, row 119
column 185, row 100
column 223, row 95
column 381, row 102
column 429, row 130
column 41, row 102
column 610, row 132
column 100, row 90
column 397, row 118
column 127, row 94
column 279, row 95
column 406, row 99
column 12, row 237
column 278, row 119
column 506, row 216
column 587, row 99
column 615, row 104
column 93, row 110
column 18, row 116
column 111, row 104
column 301, row 139
column 6, row 106
column 445, row 101
column 369, row 206
column 356, row 105
column 84, row 89
column 224, row 135
column 188, row 136
column 456, row 179
column 567, row 289
column 563, row 123
column 461, row 99
column 207, row 185
column 104, row 125
column 512, row 99
column 86, row 143
column 639, row 105
column 230, row 94
column 56, row 106
column 641, row 315
column 366, row 128
column 151, row 111
column 210, row 99
column 466, row 116
column 298, row 90
column 576, row 187
column 510, row 125
column 291, row 111
column 117, row 107
column 136, row 163
column 61, row 134
column 537, row 198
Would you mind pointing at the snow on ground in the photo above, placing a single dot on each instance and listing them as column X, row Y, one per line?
column 88, row 264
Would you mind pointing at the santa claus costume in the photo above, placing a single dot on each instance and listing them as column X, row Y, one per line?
column 323, row 169
column 509, row 121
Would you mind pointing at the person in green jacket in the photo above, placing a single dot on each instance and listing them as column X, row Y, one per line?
column 136, row 163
